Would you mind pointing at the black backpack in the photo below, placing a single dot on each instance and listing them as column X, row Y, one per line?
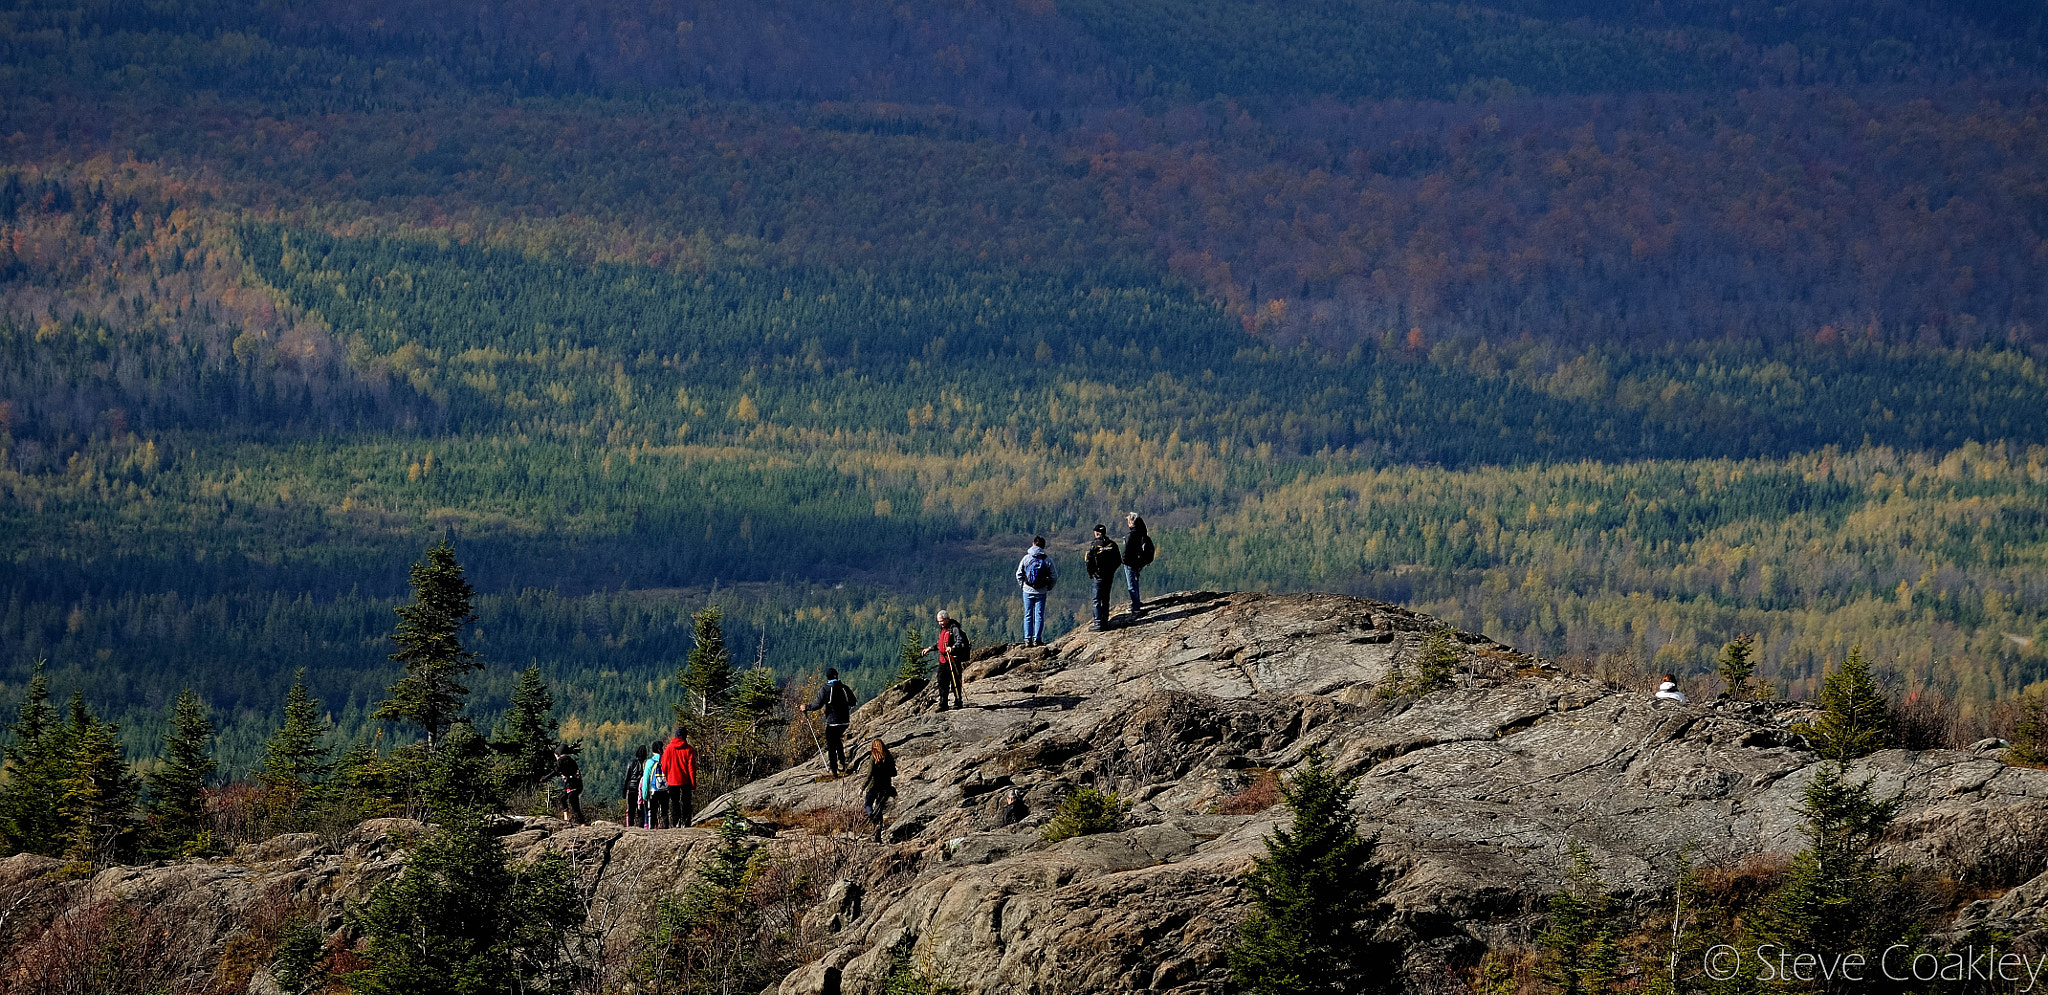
column 1138, row 551
column 842, row 696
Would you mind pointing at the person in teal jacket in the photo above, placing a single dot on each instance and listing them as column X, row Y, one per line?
column 652, row 784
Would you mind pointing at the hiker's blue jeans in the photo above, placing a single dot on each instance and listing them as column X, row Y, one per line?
column 1034, row 615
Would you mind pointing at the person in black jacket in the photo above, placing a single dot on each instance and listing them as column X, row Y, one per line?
column 572, row 784
column 1138, row 550
column 881, row 784
column 1103, row 561
column 836, row 701
column 636, row 807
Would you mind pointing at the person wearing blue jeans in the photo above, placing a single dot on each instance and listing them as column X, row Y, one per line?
column 1103, row 561
column 1036, row 575
column 1138, row 551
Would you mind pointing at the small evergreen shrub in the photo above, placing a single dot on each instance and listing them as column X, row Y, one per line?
column 1434, row 670
column 1086, row 812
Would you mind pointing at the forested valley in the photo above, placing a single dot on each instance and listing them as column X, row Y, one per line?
column 1614, row 331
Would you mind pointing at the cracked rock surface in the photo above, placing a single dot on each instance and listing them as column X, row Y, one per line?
column 1472, row 793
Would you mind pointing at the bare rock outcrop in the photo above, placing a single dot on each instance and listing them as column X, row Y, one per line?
column 1473, row 794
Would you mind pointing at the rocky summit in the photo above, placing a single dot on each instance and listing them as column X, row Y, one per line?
column 1190, row 711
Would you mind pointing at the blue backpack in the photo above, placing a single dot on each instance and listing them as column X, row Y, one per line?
column 1038, row 573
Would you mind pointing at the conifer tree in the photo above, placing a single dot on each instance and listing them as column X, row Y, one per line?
column 98, row 789
column 1581, row 955
column 429, row 641
column 463, row 919
column 177, row 787
column 2029, row 734
column 30, row 821
column 1855, row 720
column 1312, row 892
column 295, row 757
column 708, row 671
column 755, row 695
column 1839, row 897
column 911, row 653
column 1738, row 666
column 526, row 738
column 1434, row 670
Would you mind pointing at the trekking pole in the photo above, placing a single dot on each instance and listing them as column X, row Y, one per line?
column 819, row 743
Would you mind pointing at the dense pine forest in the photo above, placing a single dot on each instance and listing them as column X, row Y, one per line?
column 1612, row 329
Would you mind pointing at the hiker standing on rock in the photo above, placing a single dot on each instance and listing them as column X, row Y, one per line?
column 636, row 772
column 572, row 784
column 835, row 699
column 1103, row 560
column 1036, row 575
column 1138, row 552
column 881, row 784
column 652, row 787
column 952, row 648
column 679, row 770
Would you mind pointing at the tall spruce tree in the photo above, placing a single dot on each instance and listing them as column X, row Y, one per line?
column 30, row 820
column 1312, row 894
column 1855, row 720
column 1839, row 897
column 295, row 756
column 98, row 799
column 177, row 787
column 707, row 674
column 429, row 641
column 525, row 740
column 1738, row 666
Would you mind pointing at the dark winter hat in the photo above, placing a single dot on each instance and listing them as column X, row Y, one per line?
column 831, row 673
column 1099, row 528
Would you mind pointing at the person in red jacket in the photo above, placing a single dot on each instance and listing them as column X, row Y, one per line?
column 679, row 770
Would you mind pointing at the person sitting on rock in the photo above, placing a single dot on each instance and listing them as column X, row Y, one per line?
column 1669, row 690
column 881, row 783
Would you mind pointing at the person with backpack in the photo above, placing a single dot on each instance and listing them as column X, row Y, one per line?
column 679, row 770
column 572, row 784
column 881, row 784
column 952, row 648
column 1103, row 561
column 1138, row 552
column 636, row 772
column 1037, row 575
column 836, row 700
column 653, row 788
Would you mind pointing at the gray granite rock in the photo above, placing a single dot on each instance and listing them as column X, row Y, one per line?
column 1473, row 793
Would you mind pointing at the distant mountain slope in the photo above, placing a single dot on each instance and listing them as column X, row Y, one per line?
column 1627, row 325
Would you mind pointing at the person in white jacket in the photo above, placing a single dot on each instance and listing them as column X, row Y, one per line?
column 1669, row 690
column 1036, row 575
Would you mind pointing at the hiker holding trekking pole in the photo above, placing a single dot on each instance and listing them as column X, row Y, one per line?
column 952, row 648
column 835, row 699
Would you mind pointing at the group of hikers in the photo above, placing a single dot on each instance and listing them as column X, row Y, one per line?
column 659, row 782
column 658, row 785
column 1036, row 574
